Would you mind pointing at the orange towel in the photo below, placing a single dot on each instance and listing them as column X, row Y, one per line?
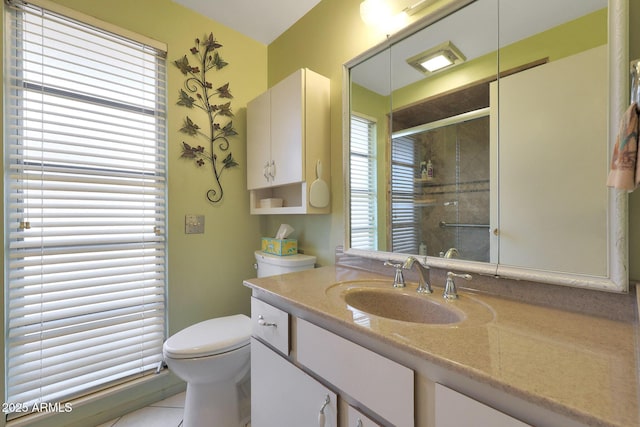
column 625, row 168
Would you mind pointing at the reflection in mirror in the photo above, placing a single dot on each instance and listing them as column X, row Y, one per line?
column 440, row 138
column 370, row 105
column 472, row 162
column 447, row 204
column 552, row 201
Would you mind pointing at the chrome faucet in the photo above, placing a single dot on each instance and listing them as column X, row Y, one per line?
column 450, row 291
column 398, row 280
column 424, row 287
column 451, row 253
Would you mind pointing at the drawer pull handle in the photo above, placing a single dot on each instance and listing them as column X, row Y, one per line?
column 321, row 416
column 272, row 170
column 359, row 423
column 263, row 322
column 266, row 171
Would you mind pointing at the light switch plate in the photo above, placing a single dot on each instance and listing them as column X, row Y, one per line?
column 193, row 224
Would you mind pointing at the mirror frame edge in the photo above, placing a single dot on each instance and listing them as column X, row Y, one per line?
column 618, row 262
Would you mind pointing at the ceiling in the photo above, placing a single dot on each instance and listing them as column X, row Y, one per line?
column 261, row 20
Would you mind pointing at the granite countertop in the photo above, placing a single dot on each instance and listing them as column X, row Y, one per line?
column 579, row 365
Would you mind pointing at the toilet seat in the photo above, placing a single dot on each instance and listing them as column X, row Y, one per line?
column 210, row 337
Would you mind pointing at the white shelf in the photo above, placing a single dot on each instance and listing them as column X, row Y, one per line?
column 294, row 197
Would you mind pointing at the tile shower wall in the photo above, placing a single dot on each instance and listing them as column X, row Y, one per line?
column 459, row 191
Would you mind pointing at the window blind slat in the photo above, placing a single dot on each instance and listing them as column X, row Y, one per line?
column 363, row 187
column 404, row 214
column 27, row 362
column 86, row 194
column 63, row 332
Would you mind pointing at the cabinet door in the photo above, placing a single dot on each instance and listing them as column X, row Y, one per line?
column 454, row 410
column 378, row 383
column 287, row 129
column 283, row 395
column 259, row 141
column 357, row 419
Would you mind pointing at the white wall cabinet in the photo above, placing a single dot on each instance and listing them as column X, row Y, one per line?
column 288, row 133
column 259, row 142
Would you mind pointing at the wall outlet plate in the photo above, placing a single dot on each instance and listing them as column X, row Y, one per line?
column 193, row 224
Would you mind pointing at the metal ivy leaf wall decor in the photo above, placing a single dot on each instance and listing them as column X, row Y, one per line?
column 199, row 94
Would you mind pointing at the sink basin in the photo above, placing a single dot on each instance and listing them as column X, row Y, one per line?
column 378, row 301
column 401, row 306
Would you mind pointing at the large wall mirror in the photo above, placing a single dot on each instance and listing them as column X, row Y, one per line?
column 496, row 163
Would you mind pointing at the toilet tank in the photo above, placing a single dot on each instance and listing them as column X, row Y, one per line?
column 270, row 265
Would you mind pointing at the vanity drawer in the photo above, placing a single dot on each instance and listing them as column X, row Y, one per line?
column 380, row 384
column 271, row 325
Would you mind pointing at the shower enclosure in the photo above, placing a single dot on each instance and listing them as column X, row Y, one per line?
column 448, row 207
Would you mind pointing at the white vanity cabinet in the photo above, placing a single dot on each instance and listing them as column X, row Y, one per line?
column 357, row 419
column 377, row 383
column 454, row 409
column 283, row 395
column 290, row 385
column 288, row 133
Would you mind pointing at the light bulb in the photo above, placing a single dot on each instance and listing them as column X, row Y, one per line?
column 375, row 12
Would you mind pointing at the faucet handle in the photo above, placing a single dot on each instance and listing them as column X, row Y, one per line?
column 450, row 291
column 398, row 280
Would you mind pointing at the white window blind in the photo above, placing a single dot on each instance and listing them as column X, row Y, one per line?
column 85, row 218
column 364, row 230
column 404, row 214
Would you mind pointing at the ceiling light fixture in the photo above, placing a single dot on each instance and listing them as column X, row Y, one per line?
column 437, row 58
column 417, row 7
column 375, row 12
column 390, row 14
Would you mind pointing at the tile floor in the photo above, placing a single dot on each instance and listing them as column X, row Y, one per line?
column 166, row 413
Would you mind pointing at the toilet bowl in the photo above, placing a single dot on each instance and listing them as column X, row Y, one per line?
column 213, row 357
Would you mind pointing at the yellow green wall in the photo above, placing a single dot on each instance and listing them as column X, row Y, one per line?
column 205, row 271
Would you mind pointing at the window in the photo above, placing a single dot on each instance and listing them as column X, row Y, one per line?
column 364, row 207
column 85, row 218
column 404, row 214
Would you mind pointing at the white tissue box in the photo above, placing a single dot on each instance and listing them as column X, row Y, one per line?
column 271, row 203
column 280, row 247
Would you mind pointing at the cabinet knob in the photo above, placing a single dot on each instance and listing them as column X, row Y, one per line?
column 263, row 322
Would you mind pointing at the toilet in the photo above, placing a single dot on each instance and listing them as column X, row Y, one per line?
column 214, row 357
column 270, row 265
